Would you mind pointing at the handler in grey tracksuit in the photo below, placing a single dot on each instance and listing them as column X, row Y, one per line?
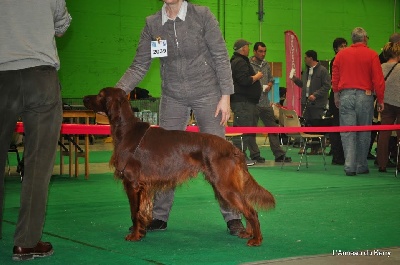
column 195, row 75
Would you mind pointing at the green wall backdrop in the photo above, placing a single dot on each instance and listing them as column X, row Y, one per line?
column 101, row 41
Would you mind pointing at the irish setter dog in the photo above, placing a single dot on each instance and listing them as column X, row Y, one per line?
column 150, row 159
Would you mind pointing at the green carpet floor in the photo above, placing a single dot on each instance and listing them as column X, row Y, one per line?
column 317, row 212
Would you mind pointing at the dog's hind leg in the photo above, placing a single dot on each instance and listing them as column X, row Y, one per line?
column 237, row 201
column 139, row 226
column 252, row 226
column 230, row 192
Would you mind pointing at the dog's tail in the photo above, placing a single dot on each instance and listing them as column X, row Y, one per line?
column 257, row 195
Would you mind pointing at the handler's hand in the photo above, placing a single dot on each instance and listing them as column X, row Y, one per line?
column 224, row 107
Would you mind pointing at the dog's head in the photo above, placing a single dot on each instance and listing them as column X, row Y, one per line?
column 108, row 100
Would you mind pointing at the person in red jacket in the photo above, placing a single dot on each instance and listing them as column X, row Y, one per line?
column 356, row 76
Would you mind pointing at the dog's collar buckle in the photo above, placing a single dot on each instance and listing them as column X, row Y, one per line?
column 121, row 174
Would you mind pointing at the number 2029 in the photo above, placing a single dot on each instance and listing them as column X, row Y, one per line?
column 159, row 51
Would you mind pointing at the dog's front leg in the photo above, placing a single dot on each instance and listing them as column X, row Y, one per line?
column 139, row 227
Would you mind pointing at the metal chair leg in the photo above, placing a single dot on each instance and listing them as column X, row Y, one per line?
column 302, row 154
column 287, row 147
column 323, row 151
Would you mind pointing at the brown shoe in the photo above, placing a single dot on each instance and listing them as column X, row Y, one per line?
column 42, row 249
column 235, row 226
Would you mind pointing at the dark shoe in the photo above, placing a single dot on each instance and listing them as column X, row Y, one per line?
column 157, row 225
column 371, row 156
column 250, row 162
column 350, row 173
column 235, row 226
column 259, row 159
column 282, row 158
column 42, row 249
column 390, row 164
column 341, row 163
column 382, row 169
column 313, row 152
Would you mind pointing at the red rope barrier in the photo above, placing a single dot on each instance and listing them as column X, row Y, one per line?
column 105, row 129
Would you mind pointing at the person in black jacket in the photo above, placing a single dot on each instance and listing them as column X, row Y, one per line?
column 244, row 101
column 334, row 137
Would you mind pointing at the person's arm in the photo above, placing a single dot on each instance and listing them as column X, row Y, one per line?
column 257, row 76
column 241, row 72
column 217, row 48
column 297, row 81
column 335, row 80
column 62, row 19
column 378, row 80
column 271, row 80
column 224, row 107
column 325, row 85
column 140, row 65
column 335, row 74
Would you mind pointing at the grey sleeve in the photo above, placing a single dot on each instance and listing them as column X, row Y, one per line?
column 217, row 47
column 62, row 19
column 140, row 65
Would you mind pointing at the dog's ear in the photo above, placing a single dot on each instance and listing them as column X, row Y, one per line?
column 116, row 97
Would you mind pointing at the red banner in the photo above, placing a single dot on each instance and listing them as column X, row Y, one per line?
column 293, row 61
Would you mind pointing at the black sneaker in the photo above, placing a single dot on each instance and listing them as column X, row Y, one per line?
column 235, row 226
column 155, row 225
column 390, row 164
column 259, row 159
column 283, row 158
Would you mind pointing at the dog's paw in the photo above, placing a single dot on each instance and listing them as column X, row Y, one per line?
column 134, row 237
column 245, row 234
column 254, row 242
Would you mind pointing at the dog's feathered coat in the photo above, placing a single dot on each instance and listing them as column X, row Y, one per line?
column 148, row 159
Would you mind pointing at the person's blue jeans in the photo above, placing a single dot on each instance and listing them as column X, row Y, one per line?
column 356, row 108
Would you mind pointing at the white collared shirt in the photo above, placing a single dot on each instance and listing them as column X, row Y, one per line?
column 310, row 73
column 181, row 14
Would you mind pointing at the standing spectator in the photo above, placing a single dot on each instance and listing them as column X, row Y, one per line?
column 264, row 108
column 30, row 89
column 195, row 75
column 391, row 112
column 334, row 137
column 315, row 84
column 394, row 38
column 246, row 97
column 356, row 75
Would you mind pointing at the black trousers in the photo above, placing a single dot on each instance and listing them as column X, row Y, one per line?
column 34, row 95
